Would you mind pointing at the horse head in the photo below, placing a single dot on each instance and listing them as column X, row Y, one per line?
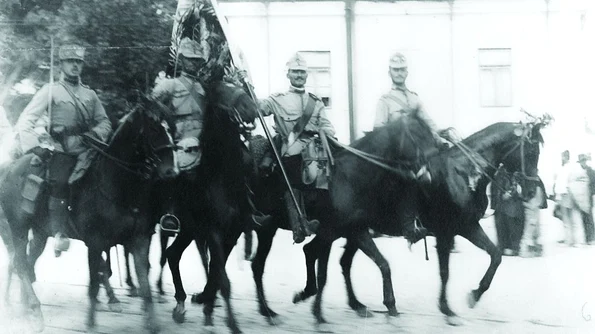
column 411, row 140
column 143, row 141
column 235, row 101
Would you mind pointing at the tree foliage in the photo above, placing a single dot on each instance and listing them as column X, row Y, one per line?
column 127, row 43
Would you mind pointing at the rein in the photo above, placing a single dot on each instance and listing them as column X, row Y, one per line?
column 99, row 147
column 374, row 159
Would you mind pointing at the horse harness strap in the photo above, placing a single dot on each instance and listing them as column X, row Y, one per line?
column 372, row 159
column 300, row 125
column 403, row 105
column 99, row 147
column 76, row 102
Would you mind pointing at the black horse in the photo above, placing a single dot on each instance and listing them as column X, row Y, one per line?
column 212, row 200
column 110, row 203
column 374, row 190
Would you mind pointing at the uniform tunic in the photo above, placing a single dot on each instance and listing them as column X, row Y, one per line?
column 288, row 108
column 398, row 102
column 188, row 107
column 71, row 117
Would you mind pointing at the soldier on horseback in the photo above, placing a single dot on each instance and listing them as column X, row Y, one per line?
column 185, row 96
column 68, row 110
column 401, row 101
column 299, row 116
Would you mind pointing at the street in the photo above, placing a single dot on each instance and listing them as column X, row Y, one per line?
column 552, row 294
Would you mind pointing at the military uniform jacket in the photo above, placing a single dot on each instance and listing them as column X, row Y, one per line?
column 71, row 117
column 288, row 108
column 188, row 106
column 401, row 101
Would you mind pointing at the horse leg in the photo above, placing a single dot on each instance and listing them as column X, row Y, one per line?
column 22, row 266
column 366, row 244
column 113, row 303
column 140, row 252
column 218, row 279
column 94, row 258
column 36, row 247
column 477, row 236
column 132, row 290
column 174, row 254
column 248, row 241
column 323, row 256
column 265, row 241
column 311, row 251
column 444, row 245
column 346, row 262
column 6, row 236
column 201, row 246
column 163, row 238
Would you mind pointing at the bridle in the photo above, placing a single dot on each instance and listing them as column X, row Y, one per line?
column 144, row 169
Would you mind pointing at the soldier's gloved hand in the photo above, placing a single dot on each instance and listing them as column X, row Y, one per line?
column 58, row 133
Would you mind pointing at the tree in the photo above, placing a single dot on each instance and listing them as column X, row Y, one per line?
column 127, row 43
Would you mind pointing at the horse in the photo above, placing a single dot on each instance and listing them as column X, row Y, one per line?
column 213, row 199
column 110, row 203
column 452, row 204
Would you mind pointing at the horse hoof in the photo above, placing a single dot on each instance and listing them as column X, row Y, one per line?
column 393, row 312
column 161, row 299
column 153, row 328
column 197, row 298
column 208, row 321
column 363, row 312
column 133, row 292
column 471, row 300
column 454, row 321
column 275, row 320
column 300, row 297
column 115, row 307
column 179, row 316
column 37, row 323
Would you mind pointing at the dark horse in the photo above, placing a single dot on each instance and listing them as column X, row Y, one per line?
column 110, row 203
column 212, row 199
column 377, row 195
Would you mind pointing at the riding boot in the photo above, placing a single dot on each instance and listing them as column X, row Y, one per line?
column 413, row 231
column 58, row 215
column 300, row 226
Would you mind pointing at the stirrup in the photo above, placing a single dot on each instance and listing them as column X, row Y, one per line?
column 169, row 223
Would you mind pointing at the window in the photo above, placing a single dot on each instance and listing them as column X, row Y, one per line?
column 319, row 74
column 495, row 79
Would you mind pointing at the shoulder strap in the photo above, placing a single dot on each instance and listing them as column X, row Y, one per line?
column 399, row 102
column 193, row 93
column 76, row 101
column 299, row 127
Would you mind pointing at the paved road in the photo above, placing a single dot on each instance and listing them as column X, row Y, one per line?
column 552, row 294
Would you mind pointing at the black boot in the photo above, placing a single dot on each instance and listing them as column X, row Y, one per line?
column 58, row 215
column 413, row 231
column 300, row 226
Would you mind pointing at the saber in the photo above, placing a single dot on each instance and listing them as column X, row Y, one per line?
column 49, row 128
column 237, row 60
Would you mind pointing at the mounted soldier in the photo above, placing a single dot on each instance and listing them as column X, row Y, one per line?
column 299, row 117
column 185, row 97
column 60, row 114
column 391, row 106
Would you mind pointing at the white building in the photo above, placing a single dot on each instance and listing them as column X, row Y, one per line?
column 472, row 62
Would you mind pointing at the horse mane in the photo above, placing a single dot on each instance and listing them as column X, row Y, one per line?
column 490, row 135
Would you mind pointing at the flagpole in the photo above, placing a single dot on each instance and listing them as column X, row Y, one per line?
column 237, row 60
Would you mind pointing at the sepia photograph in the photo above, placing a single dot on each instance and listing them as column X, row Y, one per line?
column 297, row 166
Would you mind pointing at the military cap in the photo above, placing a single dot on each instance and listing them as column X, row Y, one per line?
column 297, row 62
column 190, row 49
column 71, row 52
column 397, row 60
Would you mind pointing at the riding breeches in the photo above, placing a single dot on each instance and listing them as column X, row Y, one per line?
column 59, row 169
